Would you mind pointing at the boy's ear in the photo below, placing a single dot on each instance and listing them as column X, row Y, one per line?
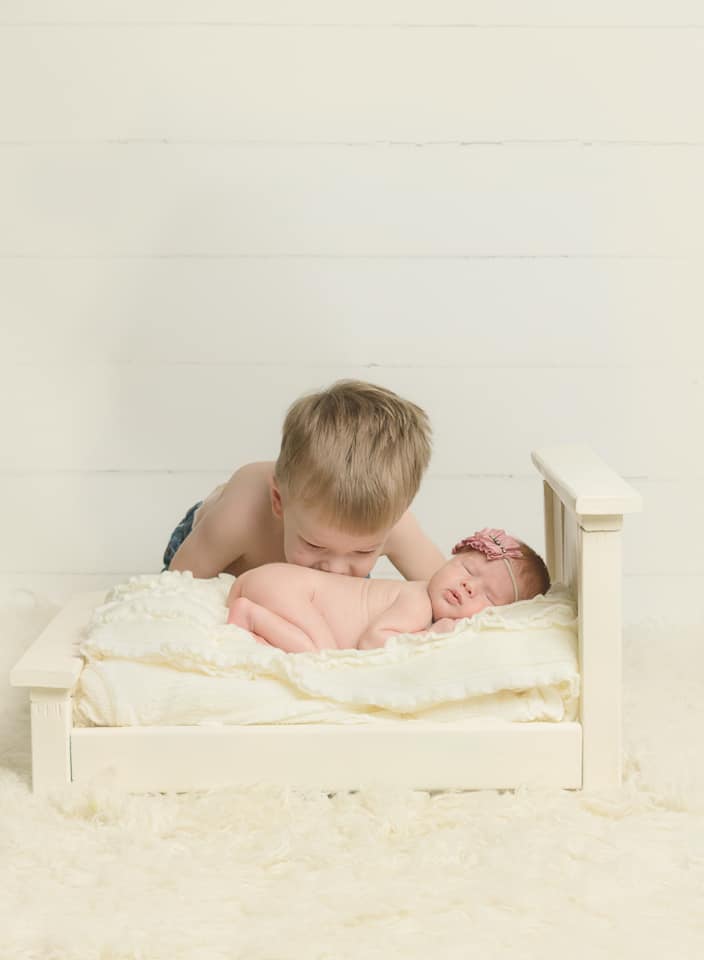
column 276, row 505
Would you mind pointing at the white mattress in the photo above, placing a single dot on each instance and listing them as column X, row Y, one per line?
column 159, row 651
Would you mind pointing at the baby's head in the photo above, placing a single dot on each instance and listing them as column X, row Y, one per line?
column 351, row 462
column 488, row 569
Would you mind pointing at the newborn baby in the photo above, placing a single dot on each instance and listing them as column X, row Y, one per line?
column 299, row 609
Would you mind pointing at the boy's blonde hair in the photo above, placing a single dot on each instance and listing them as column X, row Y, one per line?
column 356, row 452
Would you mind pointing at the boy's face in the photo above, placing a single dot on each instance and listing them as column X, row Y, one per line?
column 467, row 584
column 310, row 542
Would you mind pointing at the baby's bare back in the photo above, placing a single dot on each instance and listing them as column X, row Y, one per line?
column 347, row 605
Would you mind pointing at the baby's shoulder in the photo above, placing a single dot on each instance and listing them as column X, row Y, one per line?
column 412, row 594
column 283, row 576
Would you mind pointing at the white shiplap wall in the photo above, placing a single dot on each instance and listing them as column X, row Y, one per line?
column 207, row 208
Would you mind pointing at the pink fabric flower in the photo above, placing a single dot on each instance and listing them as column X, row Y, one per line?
column 494, row 544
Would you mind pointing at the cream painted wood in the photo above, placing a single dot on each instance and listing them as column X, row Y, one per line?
column 551, row 552
column 553, row 513
column 426, row 755
column 51, row 661
column 381, row 309
column 584, row 483
column 571, row 534
column 332, row 201
column 237, row 71
column 416, row 755
column 593, row 499
column 50, row 669
column 51, row 723
column 600, row 644
column 470, row 13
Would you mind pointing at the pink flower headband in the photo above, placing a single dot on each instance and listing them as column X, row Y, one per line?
column 495, row 545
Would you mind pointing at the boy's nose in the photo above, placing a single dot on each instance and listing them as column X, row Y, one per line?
column 334, row 565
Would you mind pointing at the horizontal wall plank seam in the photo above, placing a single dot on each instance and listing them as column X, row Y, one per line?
column 638, row 257
column 384, row 144
column 83, row 363
column 322, row 25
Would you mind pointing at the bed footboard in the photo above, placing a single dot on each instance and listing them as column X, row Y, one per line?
column 585, row 502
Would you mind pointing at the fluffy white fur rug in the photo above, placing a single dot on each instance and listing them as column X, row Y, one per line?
column 260, row 874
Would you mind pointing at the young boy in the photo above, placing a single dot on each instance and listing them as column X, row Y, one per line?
column 337, row 498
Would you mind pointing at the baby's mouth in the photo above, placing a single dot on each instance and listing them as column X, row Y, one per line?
column 453, row 597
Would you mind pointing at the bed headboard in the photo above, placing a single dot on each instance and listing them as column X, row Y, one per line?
column 585, row 502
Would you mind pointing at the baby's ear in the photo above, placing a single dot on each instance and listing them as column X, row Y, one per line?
column 276, row 505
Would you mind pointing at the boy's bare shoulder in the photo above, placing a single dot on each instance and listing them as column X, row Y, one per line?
column 238, row 513
column 252, row 479
column 244, row 494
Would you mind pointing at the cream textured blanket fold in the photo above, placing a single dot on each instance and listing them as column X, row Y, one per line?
column 159, row 651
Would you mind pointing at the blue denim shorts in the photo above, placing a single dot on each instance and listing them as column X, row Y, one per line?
column 179, row 535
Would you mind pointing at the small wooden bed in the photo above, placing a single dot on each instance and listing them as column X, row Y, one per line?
column 584, row 504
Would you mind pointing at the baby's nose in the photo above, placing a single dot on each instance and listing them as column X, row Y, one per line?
column 467, row 585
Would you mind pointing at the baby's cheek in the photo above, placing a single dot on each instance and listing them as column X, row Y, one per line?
column 477, row 606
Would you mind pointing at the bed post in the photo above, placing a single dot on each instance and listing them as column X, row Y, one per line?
column 50, row 669
column 584, row 505
column 599, row 605
column 51, row 738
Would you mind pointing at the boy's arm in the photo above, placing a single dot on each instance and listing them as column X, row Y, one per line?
column 210, row 547
column 411, row 552
column 227, row 526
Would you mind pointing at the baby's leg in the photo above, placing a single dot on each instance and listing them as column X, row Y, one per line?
column 268, row 626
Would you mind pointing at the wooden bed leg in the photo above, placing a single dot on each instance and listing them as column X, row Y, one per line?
column 600, row 650
column 51, row 738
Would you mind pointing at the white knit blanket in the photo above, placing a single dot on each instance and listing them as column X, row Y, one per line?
column 159, row 651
